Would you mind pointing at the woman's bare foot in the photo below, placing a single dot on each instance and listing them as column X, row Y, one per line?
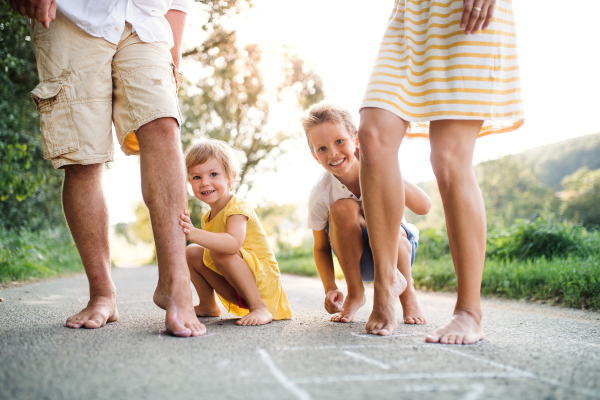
column 463, row 328
column 350, row 307
column 257, row 316
column 411, row 308
column 212, row 310
column 382, row 320
column 99, row 311
column 176, row 300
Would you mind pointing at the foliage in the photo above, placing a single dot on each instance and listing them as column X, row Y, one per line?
column 45, row 253
column 433, row 243
column 29, row 185
column 571, row 281
column 233, row 101
column 583, row 196
column 546, row 237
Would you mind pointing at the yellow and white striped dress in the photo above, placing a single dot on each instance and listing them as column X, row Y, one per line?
column 427, row 69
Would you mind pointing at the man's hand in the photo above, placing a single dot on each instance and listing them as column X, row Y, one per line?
column 186, row 224
column 39, row 10
column 334, row 299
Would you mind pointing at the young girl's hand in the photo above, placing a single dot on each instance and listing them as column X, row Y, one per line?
column 333, row 301
column 186, row 223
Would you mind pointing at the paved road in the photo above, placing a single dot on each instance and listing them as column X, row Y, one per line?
column 530, row 351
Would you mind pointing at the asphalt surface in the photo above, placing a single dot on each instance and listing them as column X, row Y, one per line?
column 530, row 351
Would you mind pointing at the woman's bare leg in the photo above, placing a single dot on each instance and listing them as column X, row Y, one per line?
column 380, row 135
column 452, row 147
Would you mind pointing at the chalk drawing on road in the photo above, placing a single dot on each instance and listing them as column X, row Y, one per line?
column 472, row 391
column 393, row 335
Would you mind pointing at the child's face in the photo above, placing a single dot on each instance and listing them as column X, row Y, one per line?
column 209, row 182
column 333, row 147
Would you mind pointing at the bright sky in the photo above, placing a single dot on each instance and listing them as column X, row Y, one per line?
column 559, row 55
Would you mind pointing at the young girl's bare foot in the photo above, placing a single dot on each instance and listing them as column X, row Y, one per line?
column 382, row 320
column 211, row 310
column 176, row 299
column 411, row 308
column 99, row 311
column 350, row 307
column 257, row 316
column 463, row 328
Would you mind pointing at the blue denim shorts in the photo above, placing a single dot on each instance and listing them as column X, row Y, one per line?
column 367, row 265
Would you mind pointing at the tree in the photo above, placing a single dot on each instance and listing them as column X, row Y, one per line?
column 29, row 185
column 583, row 196
column 233, row 101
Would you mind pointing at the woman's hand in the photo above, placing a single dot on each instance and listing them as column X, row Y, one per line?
column 476, row 13
column 333, row 301
column 186, row 224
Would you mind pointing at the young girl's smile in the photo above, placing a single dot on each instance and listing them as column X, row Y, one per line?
column 210, row 183
column 333, row 148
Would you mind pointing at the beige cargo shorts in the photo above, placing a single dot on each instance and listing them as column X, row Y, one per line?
column 88, row 83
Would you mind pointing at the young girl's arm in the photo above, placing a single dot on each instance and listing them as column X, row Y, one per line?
column 416, row 199
column 324, row 262
column 229, row 242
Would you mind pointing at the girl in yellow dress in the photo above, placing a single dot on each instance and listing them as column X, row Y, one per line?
column 231, row 253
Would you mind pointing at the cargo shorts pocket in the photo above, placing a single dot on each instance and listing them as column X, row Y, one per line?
column 56, row 118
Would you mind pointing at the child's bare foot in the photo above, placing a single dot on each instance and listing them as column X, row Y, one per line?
column 212, row 310
column 176, row 299
column 350, row 307
column 257, row 316
column 99, row 311
column 382, row 320
column 411, row 308
column 463, row 328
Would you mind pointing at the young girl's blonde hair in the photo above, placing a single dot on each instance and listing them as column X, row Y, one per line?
column 325, row 112
column 220, row 151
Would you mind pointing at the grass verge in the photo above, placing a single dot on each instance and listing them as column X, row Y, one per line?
column 573, row 281
column 48, row 253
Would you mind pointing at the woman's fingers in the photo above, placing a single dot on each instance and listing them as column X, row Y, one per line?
column 476, row 14
column 490, row 15
column 466, row 15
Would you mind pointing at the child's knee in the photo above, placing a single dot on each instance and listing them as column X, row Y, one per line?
column 345, row 213
column 193, row 254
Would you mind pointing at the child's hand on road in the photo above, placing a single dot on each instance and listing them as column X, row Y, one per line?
column 186, row 223
column 334, row 299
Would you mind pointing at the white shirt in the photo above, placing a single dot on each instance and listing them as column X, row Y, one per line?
column 327, row 191
column 106, row 18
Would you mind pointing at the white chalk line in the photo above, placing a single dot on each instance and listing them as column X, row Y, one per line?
column 366, row 359
column 477, row 390
column 333, row 347
column 409, row 376
column 525, row 373
column 299, row 393
column 393, row 335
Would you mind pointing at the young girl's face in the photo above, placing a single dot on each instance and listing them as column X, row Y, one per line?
column 209, row 182
column 333, row 147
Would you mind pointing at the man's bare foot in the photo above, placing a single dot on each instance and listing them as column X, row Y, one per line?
column 99, row 311
column 258, row 316
column 382, row 320
column 463, row 328
column 176, row 300
column 212, row 310
column 411, row 308
column 350, row 307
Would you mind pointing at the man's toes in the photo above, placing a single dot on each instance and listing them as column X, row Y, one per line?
column 93, row 323
column 409, row 320
column 433, row 338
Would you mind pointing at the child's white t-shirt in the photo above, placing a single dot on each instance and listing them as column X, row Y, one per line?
column 326, row 191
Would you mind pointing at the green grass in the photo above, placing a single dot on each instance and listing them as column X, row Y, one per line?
column 572, row 281
column 48, row 253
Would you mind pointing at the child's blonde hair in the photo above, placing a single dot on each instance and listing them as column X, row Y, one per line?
column 325, row 112
column 220, row 151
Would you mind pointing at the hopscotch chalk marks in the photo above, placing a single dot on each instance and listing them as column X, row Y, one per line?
column 471, row 391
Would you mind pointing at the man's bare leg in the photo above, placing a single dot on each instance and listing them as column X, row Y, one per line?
column 452, row 147
column 87, row 216
column 380, row 135
column 164, row 191
column 346, row 225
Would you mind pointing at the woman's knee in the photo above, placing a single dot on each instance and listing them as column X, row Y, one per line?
column 448, row 167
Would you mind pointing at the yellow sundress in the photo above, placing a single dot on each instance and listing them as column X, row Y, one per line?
column 427, row 69
column 257, row 253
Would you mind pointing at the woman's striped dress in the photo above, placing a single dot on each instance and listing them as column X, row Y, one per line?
column 427, row 69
